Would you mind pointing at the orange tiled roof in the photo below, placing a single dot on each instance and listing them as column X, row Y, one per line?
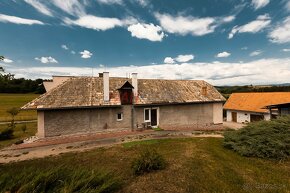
column 255, row 102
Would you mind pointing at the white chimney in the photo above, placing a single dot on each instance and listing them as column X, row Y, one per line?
column 106, row 86
column 135, row 84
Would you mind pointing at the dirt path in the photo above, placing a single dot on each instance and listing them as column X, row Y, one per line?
column 52, row 147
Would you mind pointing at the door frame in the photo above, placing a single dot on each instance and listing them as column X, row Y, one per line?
column 157, row 115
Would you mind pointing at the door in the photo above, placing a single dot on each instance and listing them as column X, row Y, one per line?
column 234, row 116
column 255, row 118
column 154, row 117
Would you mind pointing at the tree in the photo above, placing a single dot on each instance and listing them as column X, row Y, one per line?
column 1, row 68
column 13, row 112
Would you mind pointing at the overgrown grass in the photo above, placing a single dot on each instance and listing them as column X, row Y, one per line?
column 59, row 179
column 18, row 133
column 193, row 165
column 264, row 139
column 8, row 101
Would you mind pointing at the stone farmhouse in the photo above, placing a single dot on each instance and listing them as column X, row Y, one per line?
column 78, row 105
column 250, row 107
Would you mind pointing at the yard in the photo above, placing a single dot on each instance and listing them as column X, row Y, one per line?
column 8, row 101
column 193, row 165
column 18, row 133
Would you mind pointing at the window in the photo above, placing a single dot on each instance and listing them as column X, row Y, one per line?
column 119, row 116
column 146, row 115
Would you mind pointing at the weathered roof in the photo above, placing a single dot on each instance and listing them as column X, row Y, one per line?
column 84, row 92
column 256, row 102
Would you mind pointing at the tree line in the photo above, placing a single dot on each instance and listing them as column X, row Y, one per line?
column 10, row 84
column 250, row 88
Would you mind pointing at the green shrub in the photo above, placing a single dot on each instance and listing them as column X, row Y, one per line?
column 148, row 160
column 264, row 139
column 6, row 134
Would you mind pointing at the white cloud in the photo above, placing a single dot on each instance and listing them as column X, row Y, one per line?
column 257, row 4
column 146, row 31
column 72, row 7
column 7, row 60
column 18, row 20
column 287, row 5
column 169, row 60
column 256, row 53
column 190, row 25
column 223, row 55
column 244, row 48
column 120, row 2
column 229, row 19
column 255, row 26
column 281, row 33
column 184, row 58
column 264, row 71
column 94, row 22
column 39, row 7
column 46, row 60
column 286, row 50
column 64, row 47
column 143, row 3
column 86, row 54
column 72, row 52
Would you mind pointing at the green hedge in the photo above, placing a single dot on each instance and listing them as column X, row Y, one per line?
column 264, row 139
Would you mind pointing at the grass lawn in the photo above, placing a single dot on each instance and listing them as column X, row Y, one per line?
column 194, row 165
column 18, row 133
column 8, row 101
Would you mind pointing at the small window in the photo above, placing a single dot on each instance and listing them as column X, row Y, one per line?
column 147, row 115
column 119, row 116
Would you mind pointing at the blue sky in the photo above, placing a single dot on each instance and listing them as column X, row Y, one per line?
column 226, row 42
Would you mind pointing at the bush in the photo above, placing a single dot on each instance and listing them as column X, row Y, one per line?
column 148, row 160
column 264, row 139
column 6, row 134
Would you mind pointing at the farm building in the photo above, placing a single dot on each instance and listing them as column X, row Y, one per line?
column 96, row 104
column 282, row 108
column 250, row 107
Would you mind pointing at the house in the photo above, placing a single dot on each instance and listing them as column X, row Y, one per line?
column 282, row 109
column 97, row 104
column 249, row 107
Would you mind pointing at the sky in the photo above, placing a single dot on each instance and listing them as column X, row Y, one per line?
column 225, row 42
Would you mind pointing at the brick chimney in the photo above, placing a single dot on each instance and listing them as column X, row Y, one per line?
column 106, row 84
column 135, row 84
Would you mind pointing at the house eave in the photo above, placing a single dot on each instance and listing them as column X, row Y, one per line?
column 117, row 106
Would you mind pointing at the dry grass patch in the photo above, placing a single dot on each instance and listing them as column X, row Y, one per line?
column 193, row 165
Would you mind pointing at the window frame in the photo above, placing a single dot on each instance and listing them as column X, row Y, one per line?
column 149, row 111
column 121, row 116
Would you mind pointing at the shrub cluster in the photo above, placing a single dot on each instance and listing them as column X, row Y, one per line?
column 59, row 180
column 264, row 139
column 148, row 160
column 6, row 134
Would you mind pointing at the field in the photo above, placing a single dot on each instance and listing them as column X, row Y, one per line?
column 193, row 165
column 8, row 101
column 18, row 133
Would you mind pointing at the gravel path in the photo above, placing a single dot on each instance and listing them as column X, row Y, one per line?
column 58, row 145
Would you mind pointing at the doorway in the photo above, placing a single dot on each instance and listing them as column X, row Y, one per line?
column 234, row 116
column 154, row 117
column 151, row 116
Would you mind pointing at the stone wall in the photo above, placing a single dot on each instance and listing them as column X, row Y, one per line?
column 171, row 117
